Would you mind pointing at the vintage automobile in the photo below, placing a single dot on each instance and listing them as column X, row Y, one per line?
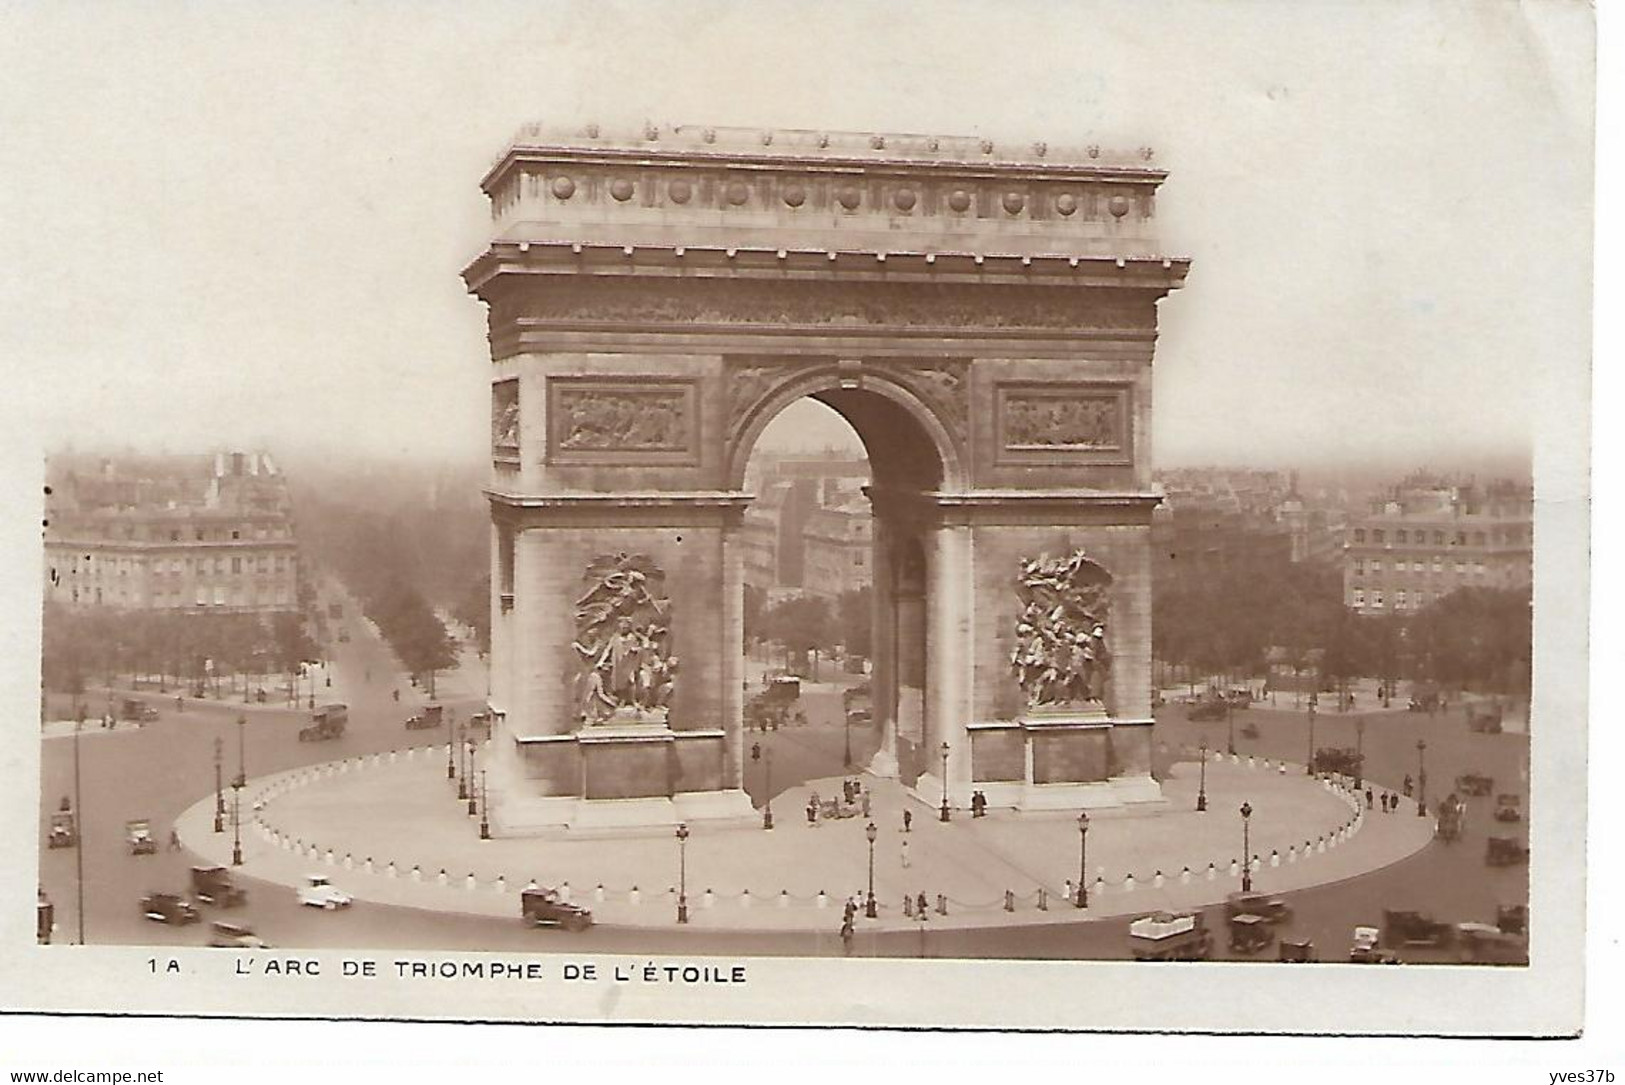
column 1480, row 943
column 318, row 892
column 1206, row 711
column 431, row 717
column 234, row 936
column 1452, row 815
column 1249, row 933
column 327, row 722
column 64, row 832
column 140, row 711
column 1475, row 784
column 782, row 688
column 1484, row 720
column 1337, row 760
column 1406, row 928
column 138, row 834
column 213, row 885
column 1367, row 948
column 44, row 919
column 1507, row 808
column 1297, row 952
column 1505, row 851
column 1512, row 918
column 168, row 908
column 1270, row 909
column 1170, row 936
column 541, row 907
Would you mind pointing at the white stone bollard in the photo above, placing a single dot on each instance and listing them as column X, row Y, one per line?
column 823, row 899
column 1235, row 759
column 470, row 883
column 349, row 861
column 598, row 893
column 327, row 857
column 1275, row 858
column 784, row 898
column 391, row 757
column 1212, row 872
column 634, row 896
column 564, row 892
column 1156, row 880
column 1100, row 887
column 501, row 884
column 1320, row 845
column 744, row 898
column 389, row 871
column 1235, row 868
column 1185, row 876
column 417, row 874
column 1070, row 894
column 708, row 900
column 1283, row 768
column 367, row 866
column 1251, row 763
column 1292, row 854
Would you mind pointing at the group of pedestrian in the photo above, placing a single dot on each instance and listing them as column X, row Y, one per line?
column 978, row 805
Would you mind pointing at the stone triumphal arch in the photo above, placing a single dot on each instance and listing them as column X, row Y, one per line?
column 983, row 316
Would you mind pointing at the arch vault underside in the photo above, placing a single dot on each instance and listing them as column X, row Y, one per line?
column 985, row 321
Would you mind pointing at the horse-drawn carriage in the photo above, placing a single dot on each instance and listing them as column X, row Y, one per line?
column 1452, row 814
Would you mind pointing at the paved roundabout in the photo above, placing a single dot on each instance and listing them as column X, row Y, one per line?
column 388, row 828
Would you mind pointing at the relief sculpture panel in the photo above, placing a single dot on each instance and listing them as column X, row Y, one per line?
column 505, row 420
column 1088, row 422
column 1061, row 658
column 621, row 421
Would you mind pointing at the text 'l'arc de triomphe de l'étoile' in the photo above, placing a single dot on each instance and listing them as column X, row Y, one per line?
column 983, row 316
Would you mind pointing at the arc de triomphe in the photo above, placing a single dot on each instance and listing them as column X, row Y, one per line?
column 983, row 316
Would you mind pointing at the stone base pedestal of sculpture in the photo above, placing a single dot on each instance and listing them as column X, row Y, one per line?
column 1063, row 758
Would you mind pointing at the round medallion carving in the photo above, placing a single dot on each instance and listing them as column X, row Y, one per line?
column 904, row 199
column 960, row 200
column 1066, row 203
column 680, row 191
column 737, row 193
column 621, row 189
column 563, row 188
column 849, row 198
column 1118, row 206
column 1013, row 202
column 795, row 195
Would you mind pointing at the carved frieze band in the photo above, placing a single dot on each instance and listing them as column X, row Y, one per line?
column 594, row 420
column 683, row 303
column 1067, row 422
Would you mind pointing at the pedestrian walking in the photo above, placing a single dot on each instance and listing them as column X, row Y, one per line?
column 1368, row 798
column 812, row 815
column 921, row 905
column 908, row 820
column 174, row 840
column 865, row 804
column 847, row 934
column 905, row 854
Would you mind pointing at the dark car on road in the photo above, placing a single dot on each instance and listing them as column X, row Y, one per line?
column 213, row 885
column 545, row 908
column 168, row 908
column 1405, row 928
column 1270, row 909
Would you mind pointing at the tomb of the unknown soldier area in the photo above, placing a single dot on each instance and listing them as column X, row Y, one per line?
column 984, row 317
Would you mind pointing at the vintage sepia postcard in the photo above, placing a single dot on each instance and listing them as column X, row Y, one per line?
column 898, row 515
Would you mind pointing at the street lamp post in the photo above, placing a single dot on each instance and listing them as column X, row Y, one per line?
column 219, row 793
column 1083, row 860
column 682, row 872
column 79, row 830
column 1246, row 848
column 765, row 756
column 485, row 809
column 1230, row 722
column 242, row 764
column 1421, row 778
column 451, row 744
column 944, row 810
column 1359, row 753
column 848, row 728
column 473, row 805
column 1201, row 791
column 1309, row 763
column 462, row 767
column 869, row 909
column 237, row 822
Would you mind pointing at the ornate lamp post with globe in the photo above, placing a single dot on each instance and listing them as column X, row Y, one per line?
column 1246, row 848
column 1083, row 860
column 944, row 811
column 1201, row 790
column 682, row 872
column 869, row 833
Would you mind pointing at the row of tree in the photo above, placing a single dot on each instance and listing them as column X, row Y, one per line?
column 1242, row 620
column 98, row 645
column 811, row 625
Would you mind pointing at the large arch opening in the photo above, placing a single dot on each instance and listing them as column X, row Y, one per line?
column 836, row 544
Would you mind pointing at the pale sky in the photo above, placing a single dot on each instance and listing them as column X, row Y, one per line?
column 245, row 224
